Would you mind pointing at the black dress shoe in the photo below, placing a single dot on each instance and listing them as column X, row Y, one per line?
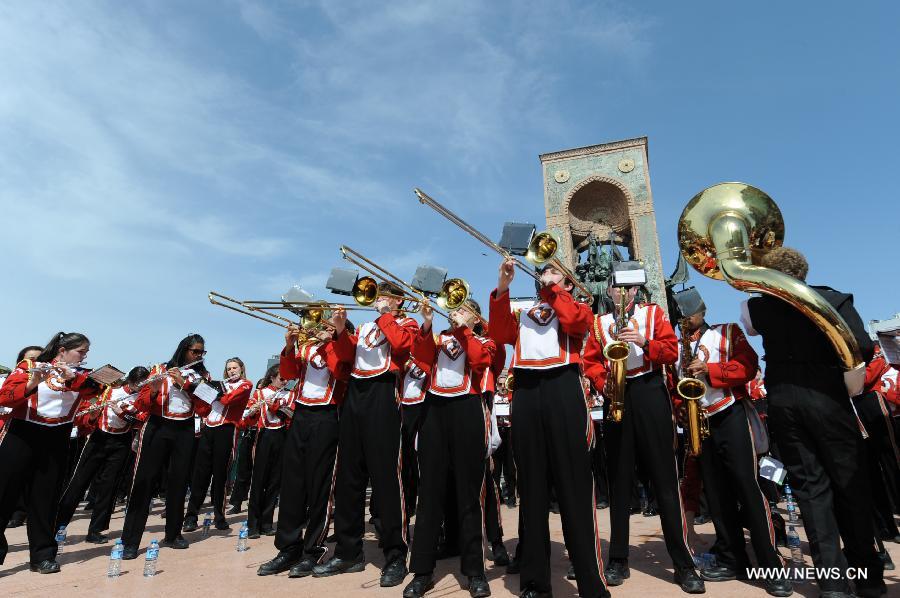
column 511, row 502
column 779, row 587
column 178, row 542
column 129, row 553
column 418, row 586
column 650, row 512
column 45, row 567
column 253, row 534
column 602, row 504
column 268, row 531
column 97, row 538
column 15, row 523
column 394, row 573
column 499, row 555
column 222, row 525
column 302, row 569
column 190, row 525
column 616, row 573
column 700, row 519
column 336, row 566
column 514, row 566
column 280, row 563
column 718, row 573
column 570, row 574
column 478, row 587
column 234, row 510
column 689, row 581
column 532, row 593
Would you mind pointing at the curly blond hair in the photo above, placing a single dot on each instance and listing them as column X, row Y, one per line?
column 787, row 260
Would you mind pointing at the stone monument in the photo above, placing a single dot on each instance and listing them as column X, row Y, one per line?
column 598, row 199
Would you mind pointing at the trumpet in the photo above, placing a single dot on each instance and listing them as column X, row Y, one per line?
column 691, row 390
column 542, row 248
column 616, row 352
column 365, row 290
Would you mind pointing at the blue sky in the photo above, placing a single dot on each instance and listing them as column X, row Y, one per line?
column 153, row 151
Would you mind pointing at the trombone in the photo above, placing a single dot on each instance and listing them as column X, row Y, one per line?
column 311, row 322
column 365, row 290
column 541, row 250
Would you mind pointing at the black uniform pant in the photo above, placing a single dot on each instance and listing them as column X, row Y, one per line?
column 99, row 466
column 308, row 468
column 411, row 421
column 504, row 463
column 822, row 449
column 598, row 463
column 214, row 454
column 265, row 481
column 32, row 463
column 729, row 470
column 452, row 442
column 241, row 488
column 162, row 443
column 881, row 459
column 369, row 448
column 493, row 522
column 647, row 434
column 552, row 440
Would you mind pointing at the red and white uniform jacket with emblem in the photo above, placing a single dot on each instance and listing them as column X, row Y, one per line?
column 650, row 321
column 5, row 412
column 270, row 401
column 456, row 361
column 322, row 371
column 731, row 362
column 229, row 407
column 890, row 386
column 53, row 402
column 414, row 385
column 118, row 402
column 172, row 402
column 380, row 346
column 548, row 334
column 498, row 362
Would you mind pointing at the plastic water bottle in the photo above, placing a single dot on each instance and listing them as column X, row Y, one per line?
column 793, row 513
column 151, row 558
column 793, row 542
column 207, row 522
column 242, row 537
column 115, row 560
column 60, row 539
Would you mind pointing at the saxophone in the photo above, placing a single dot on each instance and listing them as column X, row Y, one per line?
column 691, row 390
column 616, row 353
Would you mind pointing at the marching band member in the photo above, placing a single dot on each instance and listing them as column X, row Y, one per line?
column 553, row 431
column 493, row 522
column 265, row 482
column 17, row 518
column 412, row 402
column 646, row 432
column 247, row 429
column 722, row 358
column 166, row 440
column 452, row 442
column 370, row 433
column 218, row 441
column 103, row 456
column 818, row 435
column 34, row 444
column 309, row 456
column 504, row 463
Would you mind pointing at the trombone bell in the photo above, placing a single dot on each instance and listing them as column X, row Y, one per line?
column 454, row 293
column 365, row 291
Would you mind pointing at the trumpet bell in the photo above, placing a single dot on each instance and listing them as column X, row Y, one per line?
column 616, row 351
column 454, row 292
column 365, row 291
column 543, row 247
column 762, row 218
column 691, row 388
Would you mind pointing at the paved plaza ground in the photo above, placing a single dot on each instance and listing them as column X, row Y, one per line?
column 212, row 567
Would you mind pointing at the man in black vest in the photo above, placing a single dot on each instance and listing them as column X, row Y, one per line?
column 817, row 432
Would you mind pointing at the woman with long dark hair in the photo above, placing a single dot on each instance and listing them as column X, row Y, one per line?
column 166, row 439
column 218, row 441
column 44, row 395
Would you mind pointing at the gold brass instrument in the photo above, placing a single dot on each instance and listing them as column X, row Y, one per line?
column 616, row 353
column 691, row 390
column 365, row 290
column 541, row 250
column 311, row 321
column 725, row 230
